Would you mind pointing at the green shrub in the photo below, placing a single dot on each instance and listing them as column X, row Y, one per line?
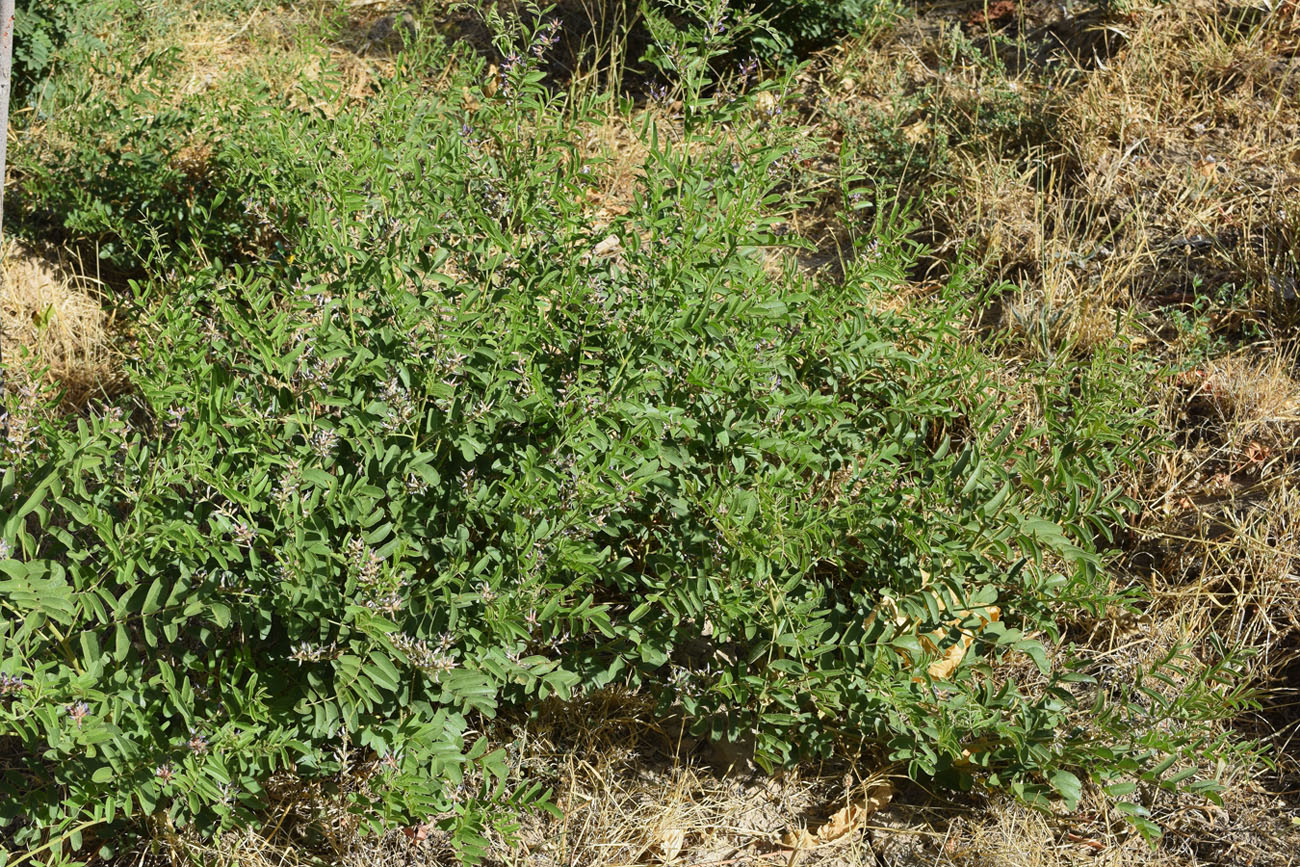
column 797, row 27
column 109, row 157
column 774, row 31
column 458, row 451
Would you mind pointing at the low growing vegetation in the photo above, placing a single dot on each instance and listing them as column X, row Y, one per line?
column 802, row 416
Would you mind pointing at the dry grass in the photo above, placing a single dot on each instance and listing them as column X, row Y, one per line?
column 54, row 318
column 1077, row 182
column 633, row 791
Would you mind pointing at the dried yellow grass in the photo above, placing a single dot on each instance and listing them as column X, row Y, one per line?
column 55, row 319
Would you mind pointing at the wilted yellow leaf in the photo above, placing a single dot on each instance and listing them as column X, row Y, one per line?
column 943, row 668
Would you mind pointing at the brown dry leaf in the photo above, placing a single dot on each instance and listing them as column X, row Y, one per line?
column 607, row 247
column 842, row 823
column 944, row 667
column 670, row 843
column 1210, row 167
column 798, row 839
column 916, row 133
column 1257, row 452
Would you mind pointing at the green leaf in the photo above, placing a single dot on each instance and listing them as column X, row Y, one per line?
column 90, row 646
column 150, row 604
column 1035, row 651
column 1068, row 786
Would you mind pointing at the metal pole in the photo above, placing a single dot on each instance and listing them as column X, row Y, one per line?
column 6, row 69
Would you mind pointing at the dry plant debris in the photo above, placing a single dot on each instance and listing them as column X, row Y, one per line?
column 843, row 822
column 55, row 317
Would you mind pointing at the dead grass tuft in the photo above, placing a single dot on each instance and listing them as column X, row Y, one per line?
column 55, row 317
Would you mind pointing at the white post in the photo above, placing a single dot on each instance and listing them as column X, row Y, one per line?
column 6, row 68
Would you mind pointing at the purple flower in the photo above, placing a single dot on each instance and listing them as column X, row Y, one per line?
column 78, row 710
column 546, row 38
column 748, row 68
column 507, row 67
column 11, row 685
column 658, row 94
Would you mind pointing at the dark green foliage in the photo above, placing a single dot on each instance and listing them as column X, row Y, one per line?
column 776, row 31
column 41, row 27
column 797, row 27
column 111, row 158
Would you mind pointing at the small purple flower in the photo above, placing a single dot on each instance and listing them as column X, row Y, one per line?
column 11, row 685
column 748, row 69
column 198, row 743
column 388, row 604
column 546, row 38
column 364, row 561
column 78, row 711
column 718, row 26
column 507, row 68
column 164, row 773
column 244, row 533
column 323, row 442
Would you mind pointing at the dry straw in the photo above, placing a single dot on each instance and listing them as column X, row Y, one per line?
column 55, row 324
